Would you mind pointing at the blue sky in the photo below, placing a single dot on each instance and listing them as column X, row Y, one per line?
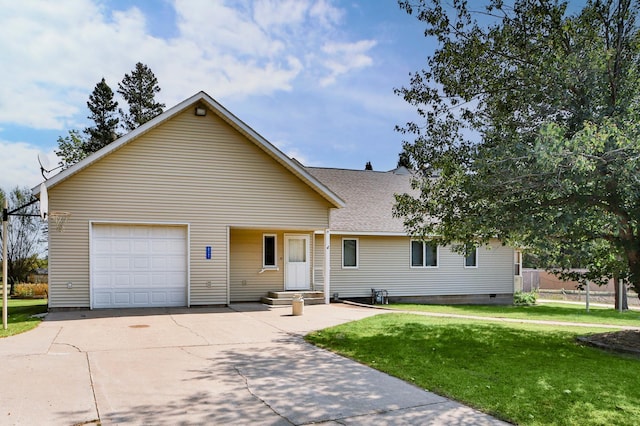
column 314, row 77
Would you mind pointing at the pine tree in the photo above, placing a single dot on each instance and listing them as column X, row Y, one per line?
column 404, row 160
column 139, row 89
column 103, row 113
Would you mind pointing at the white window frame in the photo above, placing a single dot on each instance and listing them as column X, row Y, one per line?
column 464, row 260
column 517, row 264
column 357, row 240
column 424, row 254
column 275, row 251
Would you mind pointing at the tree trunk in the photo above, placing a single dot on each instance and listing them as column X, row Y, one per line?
column 616, row 285
column 633, row 260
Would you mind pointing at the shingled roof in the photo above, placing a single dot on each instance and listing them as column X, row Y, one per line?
column 369, row 198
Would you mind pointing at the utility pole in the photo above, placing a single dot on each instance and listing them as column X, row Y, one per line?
column 5, row 261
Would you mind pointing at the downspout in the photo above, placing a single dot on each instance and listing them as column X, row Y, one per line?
column 228, row 267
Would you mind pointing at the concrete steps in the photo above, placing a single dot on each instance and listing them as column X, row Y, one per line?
column 278, row 298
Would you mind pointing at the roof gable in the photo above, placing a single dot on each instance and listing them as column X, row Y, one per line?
column 199, row 100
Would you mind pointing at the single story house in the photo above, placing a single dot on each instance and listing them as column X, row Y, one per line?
column 196, row 208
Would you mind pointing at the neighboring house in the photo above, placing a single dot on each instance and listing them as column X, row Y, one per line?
column 195, row 208
column 38, row 276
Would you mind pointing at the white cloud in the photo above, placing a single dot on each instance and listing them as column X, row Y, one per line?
column 345, row 57
column 271, row 13
column 327, row 14
column 21, row 168
column 293, row 152
column 59, row 50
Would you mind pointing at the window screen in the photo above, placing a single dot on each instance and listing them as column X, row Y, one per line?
column 417, row 255
column 471, row 260
column 350, row 253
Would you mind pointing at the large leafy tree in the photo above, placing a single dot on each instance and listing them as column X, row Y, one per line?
column 24, row 236
column 529, row 130
column 71, row 149
column 139, row 90
column 104, row 111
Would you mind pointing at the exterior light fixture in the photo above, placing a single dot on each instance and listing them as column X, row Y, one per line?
column 201, row 111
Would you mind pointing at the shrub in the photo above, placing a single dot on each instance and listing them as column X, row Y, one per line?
column 521, row 298
column 31, row 290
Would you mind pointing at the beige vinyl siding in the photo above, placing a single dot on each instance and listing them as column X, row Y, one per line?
column 317, row 275
column 192, row 170
column 247, row 284
column 384, row 263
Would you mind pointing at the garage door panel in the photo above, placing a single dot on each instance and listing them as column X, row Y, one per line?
column 102, row 299
column 102, row 231
column 136, row 265
column 102, row 280
column 159, row 297
column 174, row 263
column 102, row 246
column 140, row 247
column 121, row 298
column 173, row 247
column 168, row 263
column 120, row 263
column 121, row 280
column 173, row 232
column 142, row 231
column 159, row 280
column 140, row 262
column 102, row 264
column 118, row 231
column 141, row 280
column 160, row 246
column 174, row 297
column 141, row 298
column 173, row 280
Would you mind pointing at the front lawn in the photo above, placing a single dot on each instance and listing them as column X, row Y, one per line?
column 548, row 311
column 20, row 313
column 522, row 373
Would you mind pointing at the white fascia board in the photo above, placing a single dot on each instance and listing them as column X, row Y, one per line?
column 367, row 233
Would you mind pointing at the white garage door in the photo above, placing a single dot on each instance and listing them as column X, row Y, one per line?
column 138, row 266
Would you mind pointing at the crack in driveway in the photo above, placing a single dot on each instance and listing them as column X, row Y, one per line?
column 195, row 333
column 265, row 403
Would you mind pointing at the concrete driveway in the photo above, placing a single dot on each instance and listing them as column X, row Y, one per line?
column 242, row 365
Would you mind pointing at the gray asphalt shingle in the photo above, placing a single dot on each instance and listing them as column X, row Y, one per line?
column 369, row 198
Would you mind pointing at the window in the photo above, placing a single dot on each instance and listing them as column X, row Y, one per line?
column 350, row 253
column 269, row 251
column 471, row 259
column 424, row 254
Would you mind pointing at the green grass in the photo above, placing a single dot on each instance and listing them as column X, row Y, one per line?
column 523, row 373
column 548, row 311
column 19, row 314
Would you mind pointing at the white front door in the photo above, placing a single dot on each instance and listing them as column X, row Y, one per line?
column 297, row 275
